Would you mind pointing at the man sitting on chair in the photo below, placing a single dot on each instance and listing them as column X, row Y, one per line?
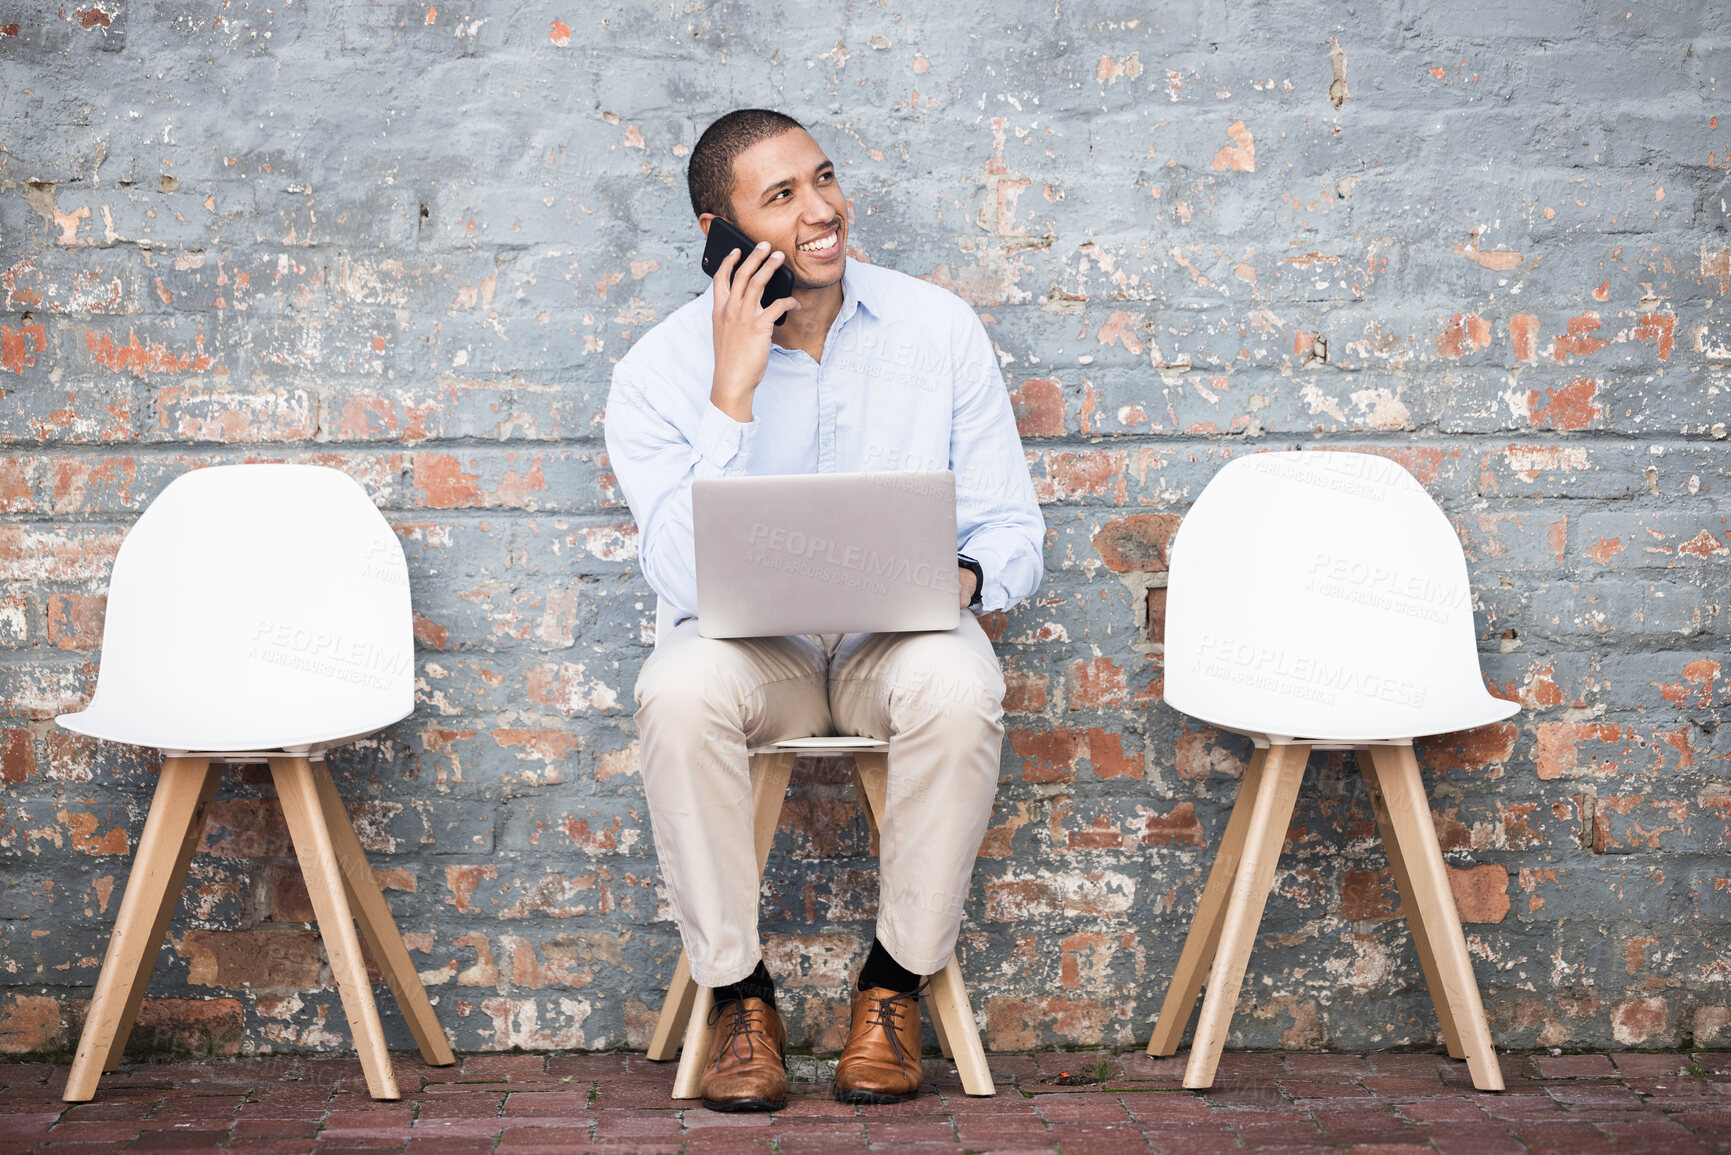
column 872, row 370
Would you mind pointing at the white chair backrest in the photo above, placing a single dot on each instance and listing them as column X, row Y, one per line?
column 254, row 607
column 1322, row 595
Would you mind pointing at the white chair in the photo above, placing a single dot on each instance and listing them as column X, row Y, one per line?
column 1320, row 601
column 684, row 1026
column 255, row 613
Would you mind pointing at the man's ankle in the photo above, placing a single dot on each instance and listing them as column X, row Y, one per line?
column 756, row 985
column 881, row 970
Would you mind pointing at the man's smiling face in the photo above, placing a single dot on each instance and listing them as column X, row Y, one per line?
column 785, row 192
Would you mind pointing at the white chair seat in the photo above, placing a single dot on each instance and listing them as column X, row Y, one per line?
column 834, row 744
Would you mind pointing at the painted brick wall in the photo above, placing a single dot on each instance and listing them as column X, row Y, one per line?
column 1487, row 240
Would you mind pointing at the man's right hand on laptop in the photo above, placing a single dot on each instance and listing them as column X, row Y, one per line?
column 743, row 328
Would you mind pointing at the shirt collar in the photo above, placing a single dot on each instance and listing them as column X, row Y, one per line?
column 857, row 293
column 857, row 290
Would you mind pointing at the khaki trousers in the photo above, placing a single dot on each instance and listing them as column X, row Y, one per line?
column 937, row 698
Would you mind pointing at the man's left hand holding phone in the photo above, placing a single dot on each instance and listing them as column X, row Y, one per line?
column 753, row 293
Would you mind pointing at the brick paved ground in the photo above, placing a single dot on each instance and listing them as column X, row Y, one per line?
column 1372, row 1105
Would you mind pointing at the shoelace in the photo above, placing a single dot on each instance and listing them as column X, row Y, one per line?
column 886, row 1013
column 745, row 1025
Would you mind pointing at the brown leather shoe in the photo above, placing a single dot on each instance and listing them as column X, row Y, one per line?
column 882, row 1061
column 745, row 1071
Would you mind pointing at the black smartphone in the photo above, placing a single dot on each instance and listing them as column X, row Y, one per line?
column 723, row 239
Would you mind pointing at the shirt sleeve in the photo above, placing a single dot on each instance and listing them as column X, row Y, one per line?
column 998, row 522
column 657, row 449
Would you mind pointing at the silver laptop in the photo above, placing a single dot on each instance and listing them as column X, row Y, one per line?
column 825, row 553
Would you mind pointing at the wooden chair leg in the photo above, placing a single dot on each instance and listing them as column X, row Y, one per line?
column 313, row 845
column 684, row 1021
column 871, row 781
column 1204, row 936
column 1421, row 932
column 938, row 1027
column 675, row 1013
column 699, row 1031
column 1415, row 841
column 172, row 828
column 1276, row 793
column 378, row 927
column 949, row 1006
column 770, row 774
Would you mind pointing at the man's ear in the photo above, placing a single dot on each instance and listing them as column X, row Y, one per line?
column 703, row 220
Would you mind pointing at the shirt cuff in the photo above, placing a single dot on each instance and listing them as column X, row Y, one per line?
column 993, row 595
column 724, row 445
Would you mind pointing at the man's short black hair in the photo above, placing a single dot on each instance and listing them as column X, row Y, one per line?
column 710, row 176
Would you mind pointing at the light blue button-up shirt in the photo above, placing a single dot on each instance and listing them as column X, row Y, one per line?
column 908, row 380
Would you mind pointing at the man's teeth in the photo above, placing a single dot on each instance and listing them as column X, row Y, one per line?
column 822, row 242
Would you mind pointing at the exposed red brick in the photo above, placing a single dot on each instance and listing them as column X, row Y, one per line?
column 183, row 1026
column 18, row 347
column 1469, row 751
column 440, row 476
column 1464, row 333
column 1039, row 408
column 1178, row 826
column 1240, row 155
column 1524, row 335
column 462, row 881
column 289, row 900
column 247, row 828
column 1096, row 684
column 999, row 841
column 1571, row 407
column 545, row 745
column 75, row 620
column 1605, row 549
column 1199, row 755
column 1659, row 329
column 1368, row 894
column 1703, row 545
column 1635, row 1021
column 430, row 633
column 1025, row 693
column 17, row 756
column 824, row 822
column 1090, row 473
column 135, row 357
column 1018, row 1024
column 29, row 1023
column 1106, row 755
column 1048, row 755
column 1556, row 752
column 1120, row 329
column 1137, row 541
column 260, row 959
column 1156, row 630
column 1578, row 341
column 1698, row 679
column 85, row 833
column 1518, row 830
column 1481, row 892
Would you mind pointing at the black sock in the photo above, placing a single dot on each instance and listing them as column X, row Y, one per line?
column 881, row 970
column 756, row 985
